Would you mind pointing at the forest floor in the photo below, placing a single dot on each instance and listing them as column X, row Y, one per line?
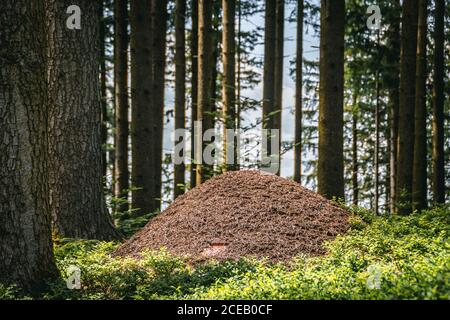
column 388, row 257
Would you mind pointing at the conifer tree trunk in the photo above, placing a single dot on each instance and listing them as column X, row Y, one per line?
column 330, row 174
column 180, row 90
column 298, row 95
column 420, row 114
column 377, row 129
column 75, row 147
column 229, row 79
column 438, row 176
column 279, row 57
column 26, row 255
column 121, row 102
column 355, row 187
column 405, row 151
column 194, row 84
column 104, row 118
column 204, row 170
column 269, row 70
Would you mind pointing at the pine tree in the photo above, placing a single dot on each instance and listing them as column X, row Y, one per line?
column 194, row 84
column 298, row 95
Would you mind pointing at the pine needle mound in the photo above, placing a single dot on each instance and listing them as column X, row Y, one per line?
column 242, row 213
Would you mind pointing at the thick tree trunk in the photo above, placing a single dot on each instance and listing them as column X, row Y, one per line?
column 75, row 148
column 269, row 71
column 420, row 125
column 405, row 151
column 121, row 174
column 180, row 89
column 438, row 177
column 104, row 118
column 330, row 174
column 194, row 84
column 204, row 170
column 279, row 57
column 229, row 80
column 26, row 256
column 298, row 95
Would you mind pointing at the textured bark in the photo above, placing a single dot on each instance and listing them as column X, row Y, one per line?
column 330, row 174
column 121, row 174
column 26, row 256
column 104, row 117
column 159, row 27
column 438, row 156
column 355, row 187
column 393, row 59
column 278, row 95
column 298, row 95
column 269, row 70
column 204, row 79
column 405, row 149
column 180, row 89
column 377, row 131
column 75, row 151
column 229, row 79
column 420, row 123
column 194, row 83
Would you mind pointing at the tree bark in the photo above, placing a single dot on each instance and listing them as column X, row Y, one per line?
column 355, row 187
column 269, row 71
column 438, row 176
column 330, row 175
column 279, row 57
column 104, row 118
column 75, row 151
column 298, row 95
column 377, row 129
column 26, row 255
column 405, row 149
column 229, row 80
column 420, row 123
column 204, row 170
column 121, row 177
column 194, row 84
column 180, row 90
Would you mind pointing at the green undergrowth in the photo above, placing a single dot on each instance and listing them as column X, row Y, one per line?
column 389, row 257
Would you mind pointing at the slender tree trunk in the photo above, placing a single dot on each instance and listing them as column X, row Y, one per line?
column 104, row 118
column 438, row 176
column 377, row 130
column 279, row 57
column 159, row 27
column 121, row 102
column 194, row 84
column 420, row 114
column 269, row 70
column 180, row 90
column 355, row 151
column 405, row 151
column 75, row 148
column 229, row 80
column 298, row 95
column 330, row 173
column 238, row 86
column 26, row 255
column 393, row 42
column 204, row 170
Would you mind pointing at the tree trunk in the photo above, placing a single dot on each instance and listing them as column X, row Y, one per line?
column 393, row 57
column 229, row 80
column 278, row 95
column 420, row 115
column 298, row 95
column 355, row 150
column 104, row 118
column 75, row 149
column 269, row 71
column 121, row 103
column 194, row 84
column 204, row 81
column 438, row 177
column 377, row 129
column 26, row 256
column 330, row 175
column 405, row 151
column 180, row 90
